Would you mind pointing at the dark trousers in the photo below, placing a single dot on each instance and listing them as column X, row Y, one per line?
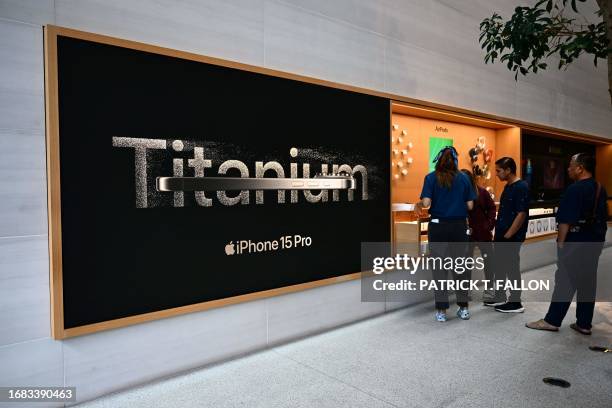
column 486, row 250
column 507, row 267
column 449, row 239
column 576, row 274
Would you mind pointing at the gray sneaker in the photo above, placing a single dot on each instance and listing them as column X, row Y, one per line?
column 463, row 313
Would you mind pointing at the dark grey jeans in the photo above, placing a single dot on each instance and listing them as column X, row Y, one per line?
column 507, row 267
column 449, row 239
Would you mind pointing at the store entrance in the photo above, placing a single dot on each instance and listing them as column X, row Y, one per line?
column 418, row 134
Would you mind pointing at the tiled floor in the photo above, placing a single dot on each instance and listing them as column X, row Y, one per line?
column 405, row 359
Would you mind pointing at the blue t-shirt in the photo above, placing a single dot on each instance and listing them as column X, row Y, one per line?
column 448, row 203
column 577, row 204
column 514, row 199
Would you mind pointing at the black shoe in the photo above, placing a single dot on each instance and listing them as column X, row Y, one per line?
column 511, row 307
column 494, row 303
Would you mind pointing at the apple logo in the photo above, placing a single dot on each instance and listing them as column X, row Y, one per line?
column 229, row 248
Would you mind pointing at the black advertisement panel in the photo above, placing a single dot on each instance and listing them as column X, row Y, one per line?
column 128, row 118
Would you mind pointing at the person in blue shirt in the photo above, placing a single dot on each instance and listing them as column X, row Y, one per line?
column 449, row 194
column 510, row 232
column 582, row 219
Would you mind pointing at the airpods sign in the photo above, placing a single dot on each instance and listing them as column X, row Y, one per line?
column 127, row 117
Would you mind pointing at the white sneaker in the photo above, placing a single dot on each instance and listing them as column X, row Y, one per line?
column 440, row 316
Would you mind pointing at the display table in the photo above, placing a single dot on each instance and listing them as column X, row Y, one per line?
column 407, row 237
column 406, row 229
column 542, row 220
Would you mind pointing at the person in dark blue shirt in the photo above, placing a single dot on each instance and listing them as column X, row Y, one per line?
column 582, row 219
column 510, row 231
column 449, row 194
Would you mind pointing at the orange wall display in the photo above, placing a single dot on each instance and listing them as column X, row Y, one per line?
column 410, row 151
column 603, row 158
column 508, row 143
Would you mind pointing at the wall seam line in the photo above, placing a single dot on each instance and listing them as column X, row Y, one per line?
column 23, row 236
column 12, row 20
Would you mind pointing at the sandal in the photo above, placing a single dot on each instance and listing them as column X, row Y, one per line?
column 542, row 325
column 586, row 332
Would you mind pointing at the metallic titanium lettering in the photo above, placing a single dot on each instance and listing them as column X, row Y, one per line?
column 199, row 164
column 140, row 162
column 364, row 181
column 345, row 168
column 312, row 198
column 179, row 196
column 260, row 170
column 294, row 174
column 243, row 197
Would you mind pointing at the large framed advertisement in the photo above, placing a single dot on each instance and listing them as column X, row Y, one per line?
column 179, row 182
